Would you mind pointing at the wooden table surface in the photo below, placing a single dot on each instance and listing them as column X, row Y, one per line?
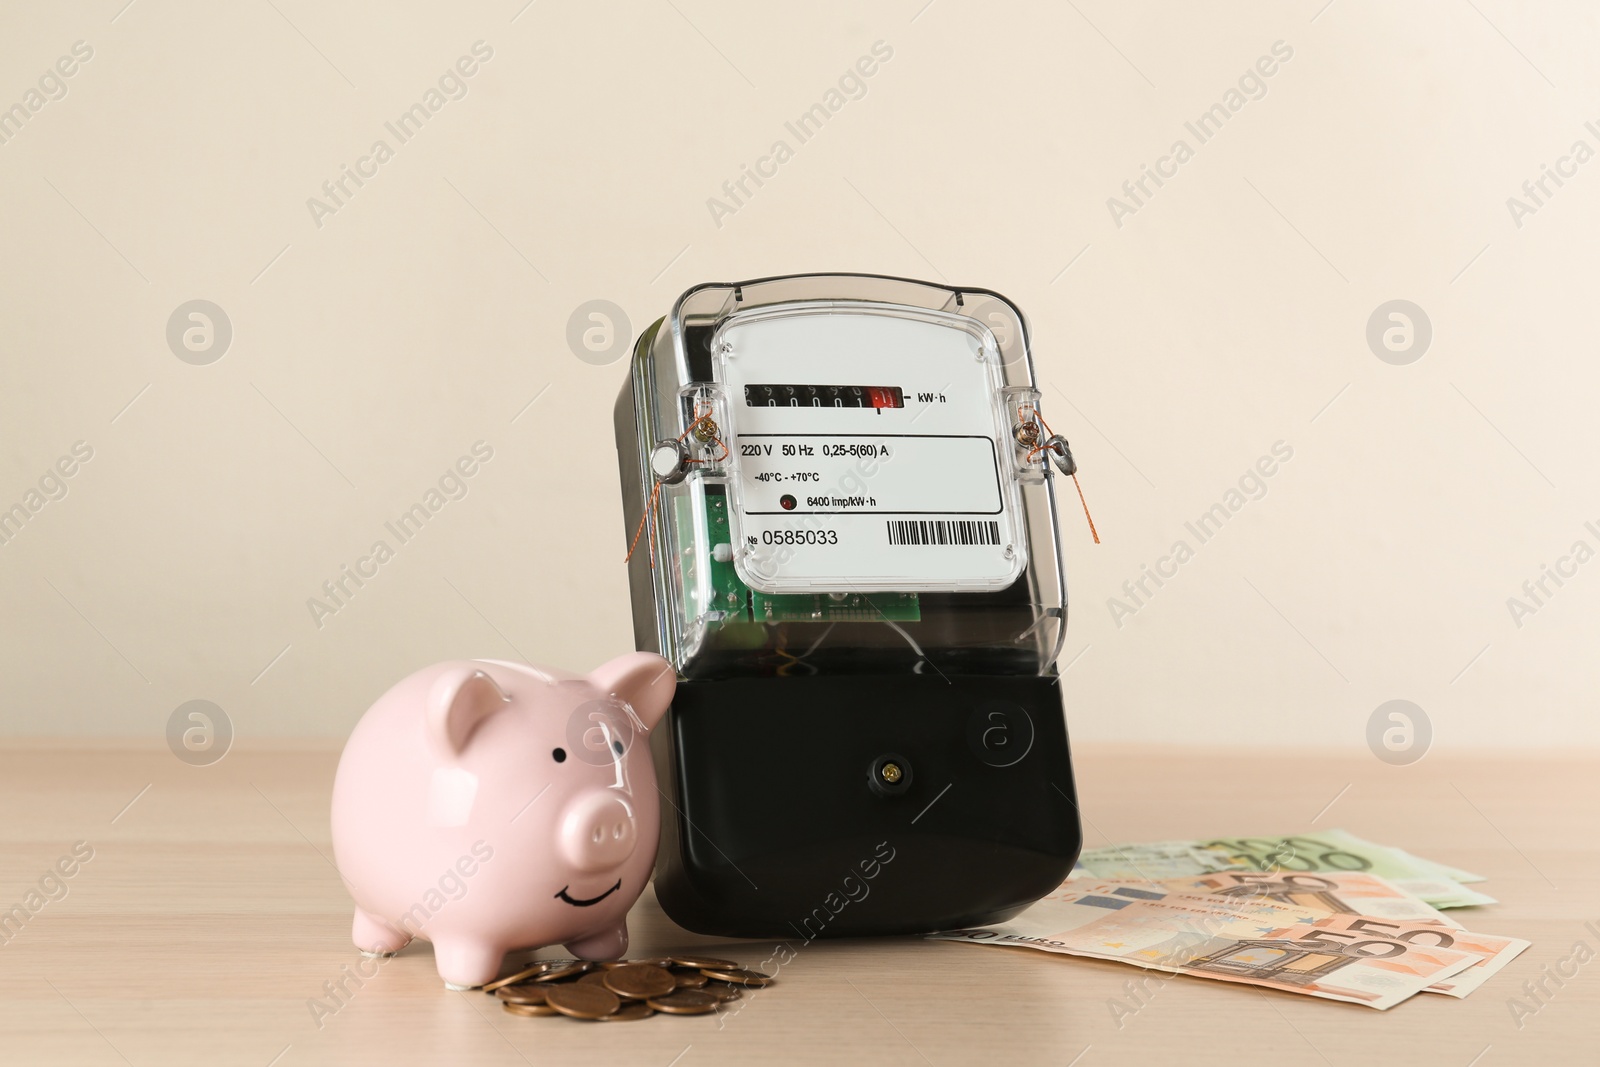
column 209, row 916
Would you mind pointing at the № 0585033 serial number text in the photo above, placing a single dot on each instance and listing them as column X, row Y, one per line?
column 799, row 537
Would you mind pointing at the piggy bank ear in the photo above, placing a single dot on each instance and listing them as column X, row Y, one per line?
column 462, row 697
column 643, row 679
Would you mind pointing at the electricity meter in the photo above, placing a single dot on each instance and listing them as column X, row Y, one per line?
column 841, row 499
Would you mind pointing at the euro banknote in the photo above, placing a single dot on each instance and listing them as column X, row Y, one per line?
column 1347, row 892
column 1320, row 851
column 1225, row 939
column 1493, row 952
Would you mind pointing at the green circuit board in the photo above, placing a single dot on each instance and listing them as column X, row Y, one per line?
column 835, row 607
column 743, row 604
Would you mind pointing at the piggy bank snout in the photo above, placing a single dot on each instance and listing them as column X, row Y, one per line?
column 598, row 831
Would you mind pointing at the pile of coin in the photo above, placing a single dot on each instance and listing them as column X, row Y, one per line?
column 624, row 990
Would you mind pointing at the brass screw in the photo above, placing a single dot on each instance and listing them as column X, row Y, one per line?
column 1027, row 434
column 705, row 430
column 891, row 772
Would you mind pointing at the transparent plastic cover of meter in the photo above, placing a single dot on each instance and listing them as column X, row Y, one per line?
column 857, row 498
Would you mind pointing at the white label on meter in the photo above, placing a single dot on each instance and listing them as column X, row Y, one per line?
column 868, row 452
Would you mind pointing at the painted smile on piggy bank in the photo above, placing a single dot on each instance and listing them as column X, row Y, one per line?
column 576, row 903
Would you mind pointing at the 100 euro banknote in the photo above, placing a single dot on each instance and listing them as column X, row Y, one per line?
column 1323, row 851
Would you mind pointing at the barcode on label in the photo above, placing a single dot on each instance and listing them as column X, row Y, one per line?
column 944, row 532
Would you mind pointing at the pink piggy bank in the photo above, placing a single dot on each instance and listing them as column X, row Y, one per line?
column 488, row 806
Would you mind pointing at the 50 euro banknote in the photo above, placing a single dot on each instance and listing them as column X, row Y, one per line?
column 1361, row 906
column 1345, row 892
column 1493, row 952
column 1224, row 939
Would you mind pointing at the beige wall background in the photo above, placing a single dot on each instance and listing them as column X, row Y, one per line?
column 375, row 344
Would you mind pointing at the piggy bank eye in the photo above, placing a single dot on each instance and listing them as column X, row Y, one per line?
column 559, row 755
column 601, row 732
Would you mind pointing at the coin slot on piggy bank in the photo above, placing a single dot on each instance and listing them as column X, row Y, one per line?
column 844, row 539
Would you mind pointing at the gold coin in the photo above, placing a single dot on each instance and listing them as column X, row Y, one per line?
column 696, row 963
column 738, row 976
column 685, row 1002
column 627, row 1013
column 582, row 1001
column 722, row 990
column 527, row 1009
column 689, row 979
column 568, row 969
column 639, row 982
column 521, row 994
